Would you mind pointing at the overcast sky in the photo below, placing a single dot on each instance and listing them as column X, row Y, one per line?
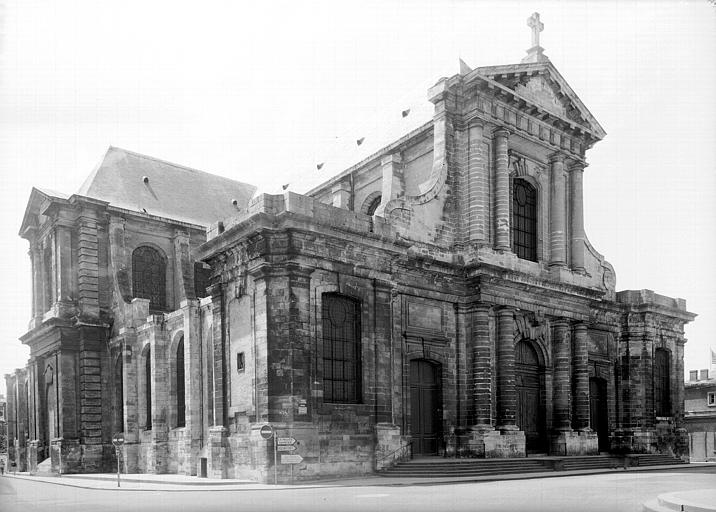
column 262, row 93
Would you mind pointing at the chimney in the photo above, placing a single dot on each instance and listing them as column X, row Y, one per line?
column 693, row 375
column 704, row 375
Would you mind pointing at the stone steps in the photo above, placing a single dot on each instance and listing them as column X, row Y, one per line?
column 437, row 468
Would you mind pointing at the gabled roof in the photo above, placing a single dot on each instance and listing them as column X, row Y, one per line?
column 144, row 184
column 541, row 84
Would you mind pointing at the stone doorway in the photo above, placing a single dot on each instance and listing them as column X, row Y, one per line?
column 529, row 384
column 425, row 407
column 598, row 411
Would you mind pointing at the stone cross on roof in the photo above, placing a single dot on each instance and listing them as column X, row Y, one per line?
column 534, row 54
column 537, row 26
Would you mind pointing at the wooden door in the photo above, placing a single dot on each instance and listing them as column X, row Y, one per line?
column 425, row 407
column 598, row 416
column 530, row 404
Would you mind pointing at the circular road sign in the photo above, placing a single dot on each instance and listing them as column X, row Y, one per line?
column 266, row 431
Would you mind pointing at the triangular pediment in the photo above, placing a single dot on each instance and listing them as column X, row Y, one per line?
column 540, row 83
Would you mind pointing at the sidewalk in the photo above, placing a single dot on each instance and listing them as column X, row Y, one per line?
column 170, row 482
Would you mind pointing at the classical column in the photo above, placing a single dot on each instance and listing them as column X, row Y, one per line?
column 506, row 394
column 502, row 191
column 580, row 369
column 37, row 306
column 481, row 367
column 576, row 174
column 477, row 183
column 557, row 221
column 562, row 387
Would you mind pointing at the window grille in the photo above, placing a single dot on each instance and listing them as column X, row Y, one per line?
column 149, row 277
column 524, row 220
column 711, row 399
column 341, row 350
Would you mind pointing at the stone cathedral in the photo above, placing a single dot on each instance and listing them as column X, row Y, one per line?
column 440, row 294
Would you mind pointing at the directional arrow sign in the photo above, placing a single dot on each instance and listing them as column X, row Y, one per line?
column 286, row 440
column 291, row 459
column 286, row 447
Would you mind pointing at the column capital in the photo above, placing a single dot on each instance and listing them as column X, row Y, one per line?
column 557, row 157
column 476, row 122
column 505, row 311
column 391, row 158
column 579, row 325
column 559, row 321
column 577, row 166
column 501, row 131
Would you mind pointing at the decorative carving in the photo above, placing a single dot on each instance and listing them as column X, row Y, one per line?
column 532, row 326
column 542, row 92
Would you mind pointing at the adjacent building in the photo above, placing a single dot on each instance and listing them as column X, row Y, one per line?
column 440, row 294
column 700, row 415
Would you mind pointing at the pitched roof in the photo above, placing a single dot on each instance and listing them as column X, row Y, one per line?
column 170, row 190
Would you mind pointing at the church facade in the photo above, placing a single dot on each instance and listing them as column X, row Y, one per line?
column 439, row 297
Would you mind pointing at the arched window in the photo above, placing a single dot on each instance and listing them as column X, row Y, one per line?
column 148, row 388
column 119, row 394
column 149, row 276
column 341, row 350
column 662, row 383
column 524, row 220
column 373, row 206
column 179, row 384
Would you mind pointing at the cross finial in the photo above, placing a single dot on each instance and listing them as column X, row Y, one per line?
column 534, row 23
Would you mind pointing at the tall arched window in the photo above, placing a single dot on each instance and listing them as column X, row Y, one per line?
column 148, row 388
column 149, row 276
column 179, row 384
column 662, row 383
column 341, row 349
column 524, row 220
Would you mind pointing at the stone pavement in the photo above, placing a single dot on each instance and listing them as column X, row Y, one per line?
column 172, row 482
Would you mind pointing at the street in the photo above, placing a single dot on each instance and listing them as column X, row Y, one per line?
column 600, row 492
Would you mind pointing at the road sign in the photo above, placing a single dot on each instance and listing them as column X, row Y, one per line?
column 286, row 447
column 285, row 440
column 291, row 459
column 118, row 440
column 266, row 431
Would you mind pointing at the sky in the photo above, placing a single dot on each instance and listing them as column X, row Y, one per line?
column 261, row 92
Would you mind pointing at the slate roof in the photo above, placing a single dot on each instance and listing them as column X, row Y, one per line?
column 172, row 190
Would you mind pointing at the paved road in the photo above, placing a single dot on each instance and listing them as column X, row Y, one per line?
column 612, row 492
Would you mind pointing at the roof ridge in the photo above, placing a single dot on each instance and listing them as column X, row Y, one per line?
column 178, row 166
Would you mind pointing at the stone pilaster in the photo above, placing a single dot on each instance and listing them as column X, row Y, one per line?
column 160, row 396
column 88, row 264
column 393, row 184
column 184, row 267
column 130, row 354
column 506, row 394
column 580, row 373
column 342, row 194
column 562, row 381
column 502, row 190
column 193, row 375
column 219, row 342
column 482, row 368
column 477, row 183
column 576, row 175
column 557, row 217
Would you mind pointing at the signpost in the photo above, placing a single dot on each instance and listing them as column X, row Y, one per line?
column 118, row 441
column 292, row 458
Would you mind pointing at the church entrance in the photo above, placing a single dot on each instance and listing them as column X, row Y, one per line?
column 529, row 383
column 425, row 406
column 598, row 415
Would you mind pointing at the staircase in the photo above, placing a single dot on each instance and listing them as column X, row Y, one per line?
column 44, row 468
column 437, row 467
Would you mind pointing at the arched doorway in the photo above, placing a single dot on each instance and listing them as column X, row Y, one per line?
column 425, row 406
column 529, row 384
column 598, row 411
